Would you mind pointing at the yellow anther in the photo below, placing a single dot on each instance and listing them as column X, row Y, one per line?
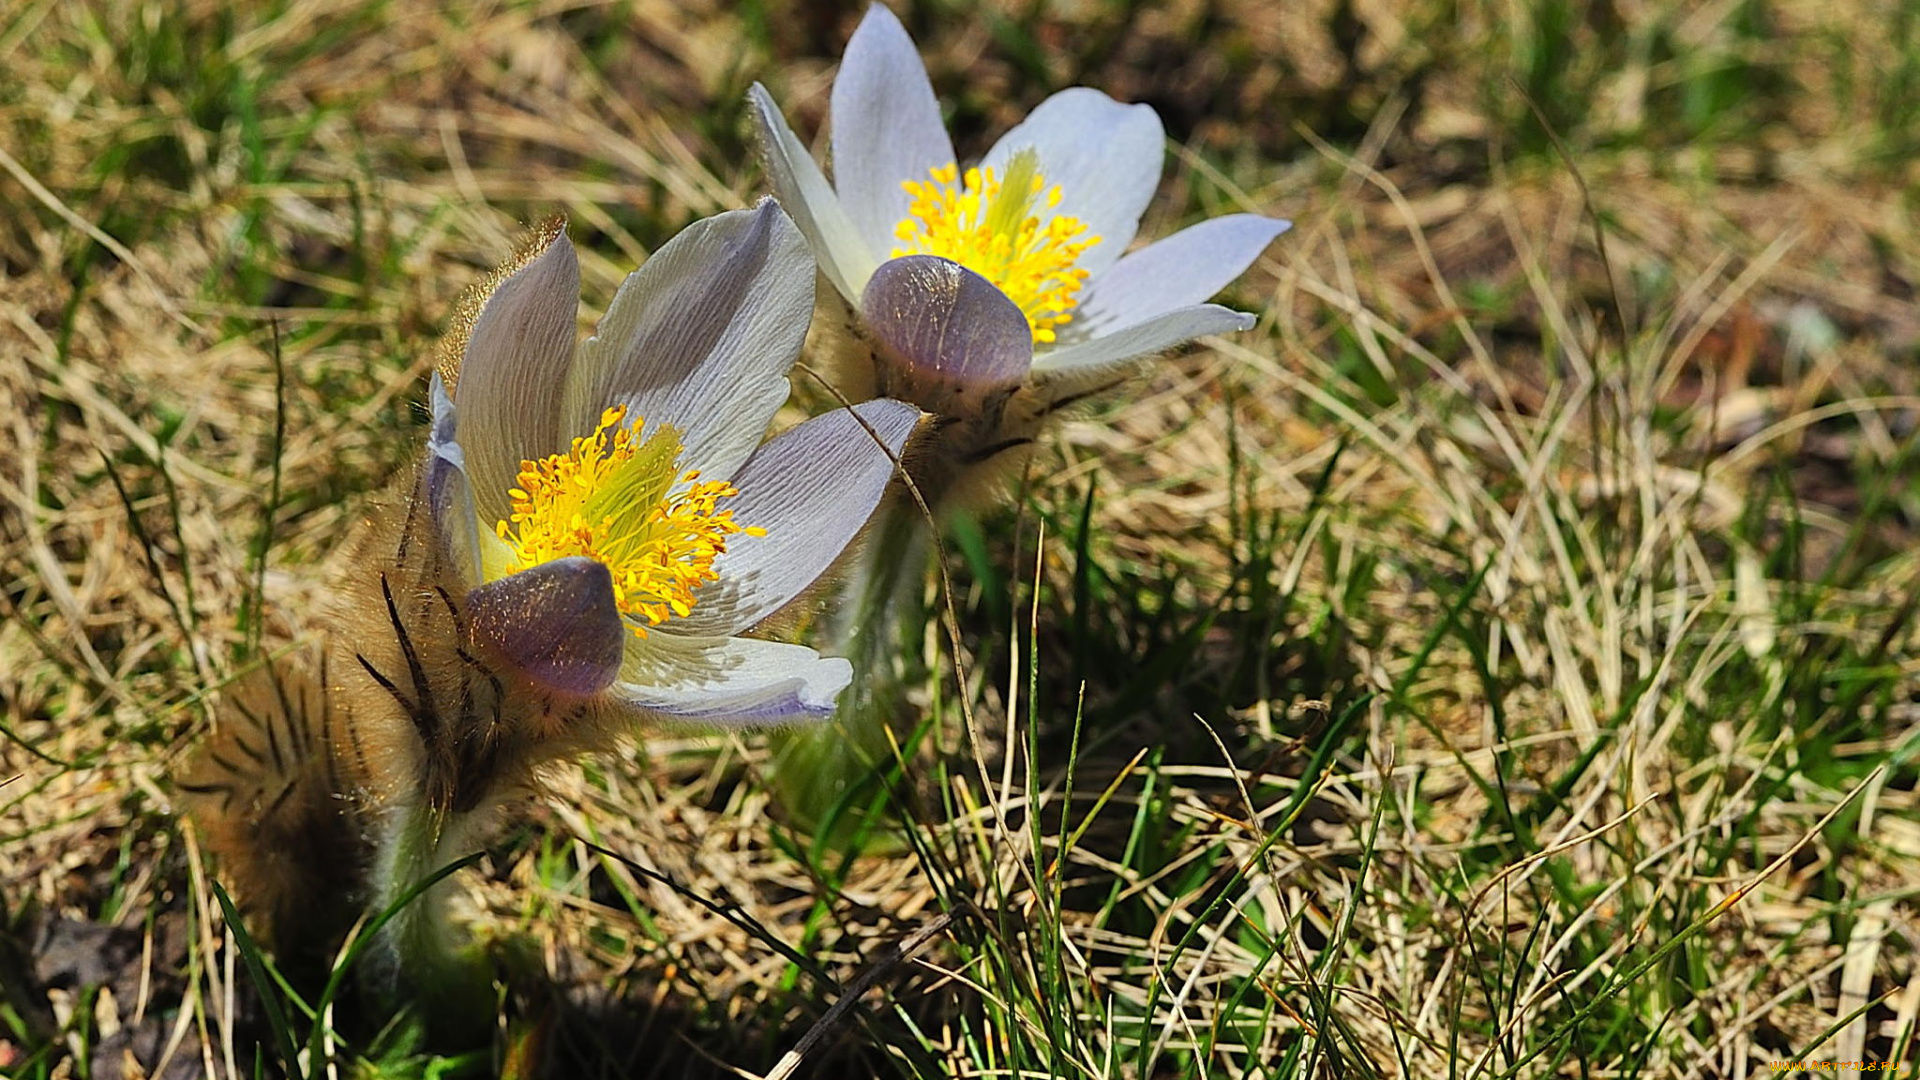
column 987, row 224
column 612, row 499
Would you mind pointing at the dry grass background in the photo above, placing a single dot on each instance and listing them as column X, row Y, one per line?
column 1450, row 654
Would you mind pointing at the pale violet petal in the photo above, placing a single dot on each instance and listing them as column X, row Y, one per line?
column 804, row 193
column 730, row 682
column 812, row 489
column 701, row 337
column 1184, row 269
column 449, row 494
column 886, row 127
column 513, row 369
column 1105, row 157
column 556, row 623
column 1069, row 369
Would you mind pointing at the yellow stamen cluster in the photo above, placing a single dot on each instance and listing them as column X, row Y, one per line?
column 987, row 224
column 611, row 499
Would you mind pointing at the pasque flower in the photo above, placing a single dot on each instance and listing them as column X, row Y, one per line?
column 1012, row 273
column 993, row 296
column 595, row 526
column 610, row 506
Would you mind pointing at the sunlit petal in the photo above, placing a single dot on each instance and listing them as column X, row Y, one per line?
column 730, row 682
column 1104, row 156
column 449, row 492
column 1186, row 268
column 513, row 368
column 806, row 196
column 1073, row 367
column 812, row 490
column 886, row 126
column 701, row 337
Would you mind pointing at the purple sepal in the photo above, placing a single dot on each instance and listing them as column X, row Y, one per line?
column 556, row 622
column 944, row 328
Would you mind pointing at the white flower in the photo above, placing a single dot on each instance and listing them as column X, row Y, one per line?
column 1044, row 220
column 609, row 506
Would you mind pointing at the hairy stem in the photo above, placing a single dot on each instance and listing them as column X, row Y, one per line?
column 423, row 956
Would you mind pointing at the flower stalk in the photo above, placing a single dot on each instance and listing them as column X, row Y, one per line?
column 826, row 776
column 420, row 948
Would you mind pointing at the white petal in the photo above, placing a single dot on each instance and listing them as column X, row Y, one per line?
column 812, row 489
column 474, row 549
column 734, row 682
column 886, row 127
column 449, row 493
column 1105, row 156
column 513, row 370
column 805, row 195
column 1072, row 368
column 1184, row 269
column 701, row 337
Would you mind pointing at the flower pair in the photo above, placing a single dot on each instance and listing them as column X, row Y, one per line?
column 597, row 524
column 610, row 507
